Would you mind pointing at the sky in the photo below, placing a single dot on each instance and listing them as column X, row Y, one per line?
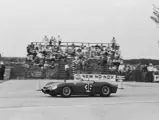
column 25, row 21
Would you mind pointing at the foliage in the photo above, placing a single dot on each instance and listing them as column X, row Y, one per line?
column 155, row 18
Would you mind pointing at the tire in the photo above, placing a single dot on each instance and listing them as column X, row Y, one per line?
column 53, row 95
column 66, row 91
column 105, row 91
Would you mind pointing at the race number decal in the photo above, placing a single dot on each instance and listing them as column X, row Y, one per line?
column 88, row 87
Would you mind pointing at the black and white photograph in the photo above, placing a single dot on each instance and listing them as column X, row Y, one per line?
column 79, row 60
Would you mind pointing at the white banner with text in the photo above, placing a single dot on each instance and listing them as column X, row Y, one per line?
column 94, row 77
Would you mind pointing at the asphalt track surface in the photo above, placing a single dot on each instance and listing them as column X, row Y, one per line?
column 19, row 100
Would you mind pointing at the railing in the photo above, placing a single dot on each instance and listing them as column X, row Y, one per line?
column 77, row 44
column 73, row 43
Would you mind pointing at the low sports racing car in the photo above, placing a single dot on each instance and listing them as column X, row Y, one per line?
column 80, row 87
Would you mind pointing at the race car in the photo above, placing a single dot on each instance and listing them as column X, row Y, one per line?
column 80, row 87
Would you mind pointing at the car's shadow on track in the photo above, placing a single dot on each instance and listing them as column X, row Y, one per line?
column 84, row 96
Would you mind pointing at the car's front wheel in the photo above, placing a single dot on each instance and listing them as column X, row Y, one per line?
column 66, row 91
column 105, row 91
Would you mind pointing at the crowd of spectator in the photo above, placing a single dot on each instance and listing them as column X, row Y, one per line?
column 45, row 52
column 139, row 72
column 48, row 51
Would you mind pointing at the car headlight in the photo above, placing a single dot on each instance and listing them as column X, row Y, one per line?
column 54, row 87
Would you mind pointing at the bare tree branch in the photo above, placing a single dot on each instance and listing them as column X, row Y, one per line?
column 156, row 20
column 156, row 13
column 155, row 7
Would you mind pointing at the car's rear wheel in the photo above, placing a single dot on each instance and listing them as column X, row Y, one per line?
column 66, row 91
column 105, row 91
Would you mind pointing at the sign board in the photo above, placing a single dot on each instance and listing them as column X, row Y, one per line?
column 156, row 78
column 95, row 77
column 37, row 74
column 120, row 77
column 51, row 72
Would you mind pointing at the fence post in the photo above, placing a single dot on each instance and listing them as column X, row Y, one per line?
column 121, row 84
column 121, row 78
column 38, row 86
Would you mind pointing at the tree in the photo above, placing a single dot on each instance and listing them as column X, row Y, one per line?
column 155, row 18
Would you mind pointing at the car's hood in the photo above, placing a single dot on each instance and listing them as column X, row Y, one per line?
column 58, row 83
column 108, row 81
column 52, row 83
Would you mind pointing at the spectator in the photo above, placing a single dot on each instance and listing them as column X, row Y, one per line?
column 144, row 73
column 59, row 39
column 138, row 74
column 46, row 40
column 51, row 41
column 150, row 69
column 67, row 75
column 2, row 70
column 113, row 41
column 121, row 68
